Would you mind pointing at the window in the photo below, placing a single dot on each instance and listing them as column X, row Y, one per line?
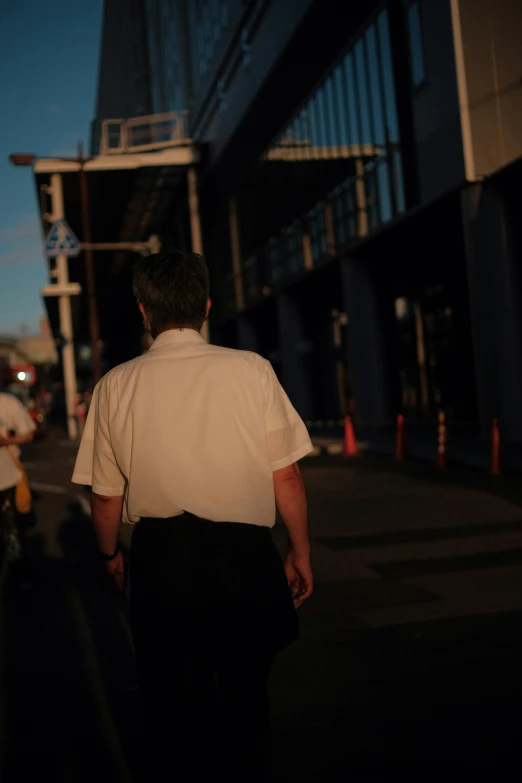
column 353, row 110
column 363, row 93
column 418, row 65
column 351, row 116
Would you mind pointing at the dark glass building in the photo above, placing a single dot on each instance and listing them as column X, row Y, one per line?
column 358, row 189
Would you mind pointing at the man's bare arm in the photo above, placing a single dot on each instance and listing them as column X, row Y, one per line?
column 291, row 502
column 106, row 516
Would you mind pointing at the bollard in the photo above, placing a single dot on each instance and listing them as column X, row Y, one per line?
column 441, row 450
column 350, row 443
column 495, row 448
column 400, row 444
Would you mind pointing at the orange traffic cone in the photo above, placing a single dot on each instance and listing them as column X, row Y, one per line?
column 400, row 444
column 350, row 444
column 495, row 449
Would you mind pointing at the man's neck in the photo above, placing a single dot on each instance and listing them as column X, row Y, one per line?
column 176, row 329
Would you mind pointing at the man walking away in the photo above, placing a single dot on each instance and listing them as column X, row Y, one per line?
column 196, row 444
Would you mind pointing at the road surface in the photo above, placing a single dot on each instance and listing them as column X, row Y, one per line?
column 408, row 665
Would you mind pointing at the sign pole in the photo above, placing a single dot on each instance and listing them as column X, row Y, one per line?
column 64, row 302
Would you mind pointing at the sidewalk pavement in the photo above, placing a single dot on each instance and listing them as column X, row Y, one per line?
column 408, row 662
column 404, row 668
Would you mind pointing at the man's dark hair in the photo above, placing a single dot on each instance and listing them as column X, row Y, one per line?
column 173, row 288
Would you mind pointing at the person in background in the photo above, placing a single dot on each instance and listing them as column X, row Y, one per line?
column 80, row 412
column 16, row 428
column 195, row 445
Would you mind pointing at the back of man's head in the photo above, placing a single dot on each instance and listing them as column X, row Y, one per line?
column 173, row 289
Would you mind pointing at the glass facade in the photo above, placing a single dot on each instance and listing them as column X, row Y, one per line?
column 418, row 66
column 350, row 117
column 210, row 18
column 167, row 76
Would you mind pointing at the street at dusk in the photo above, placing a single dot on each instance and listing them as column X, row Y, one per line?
column 260, row 391
column 407, row 663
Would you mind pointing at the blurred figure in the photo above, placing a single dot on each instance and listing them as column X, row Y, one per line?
column 16, row 428
column 80, row 411
column 197, row 444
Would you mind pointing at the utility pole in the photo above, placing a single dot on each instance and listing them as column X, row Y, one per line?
column 64, row 304
column 94, row 326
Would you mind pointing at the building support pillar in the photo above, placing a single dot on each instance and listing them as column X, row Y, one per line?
column 195, row 224
column 247, row 337
column 368, row 355
column 294, row 347
column 360, row 194
column 235, row 248
column 494, row 279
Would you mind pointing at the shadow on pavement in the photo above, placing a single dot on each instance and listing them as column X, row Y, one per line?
column 350, row 703
column 71, row 691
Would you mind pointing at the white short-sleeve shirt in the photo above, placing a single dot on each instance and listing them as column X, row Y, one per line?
column 13, row 416
column 191, row 427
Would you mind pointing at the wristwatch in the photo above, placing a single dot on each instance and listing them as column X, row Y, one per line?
column 108, row 557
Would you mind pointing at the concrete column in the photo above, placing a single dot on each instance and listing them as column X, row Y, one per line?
column 247, row 337
column 494, row 278
column 368, row 353
column 327, row 381
column 329, row 226
column 235, row 248
column 294, row 351
column 195, row 224
column 307, row 252
column 360, row 194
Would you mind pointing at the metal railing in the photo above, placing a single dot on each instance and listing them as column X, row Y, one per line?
column 295, row 144
column 142, row 134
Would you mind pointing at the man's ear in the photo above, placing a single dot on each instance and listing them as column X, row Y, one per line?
column 143, row 313
column 207, row 311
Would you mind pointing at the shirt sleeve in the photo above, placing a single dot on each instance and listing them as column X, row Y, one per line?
column 96, row 463
column 20, row 420
column 287, row 437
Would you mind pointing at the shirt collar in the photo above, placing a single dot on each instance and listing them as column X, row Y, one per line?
column 172, row 336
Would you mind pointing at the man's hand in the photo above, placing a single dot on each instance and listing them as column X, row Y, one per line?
column 115, row 570
column 300, row 578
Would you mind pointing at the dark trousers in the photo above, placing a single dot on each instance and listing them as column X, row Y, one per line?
column 210, row 607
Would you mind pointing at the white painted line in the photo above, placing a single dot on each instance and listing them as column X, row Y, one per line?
column 52, row 488
column 85, row 505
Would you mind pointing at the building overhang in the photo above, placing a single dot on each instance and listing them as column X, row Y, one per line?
column 129, row 196
column 176, row 156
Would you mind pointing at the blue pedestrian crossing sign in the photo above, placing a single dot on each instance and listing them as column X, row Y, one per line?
column 61, row 241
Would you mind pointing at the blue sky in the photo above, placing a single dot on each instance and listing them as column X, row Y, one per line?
column 48, row 73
